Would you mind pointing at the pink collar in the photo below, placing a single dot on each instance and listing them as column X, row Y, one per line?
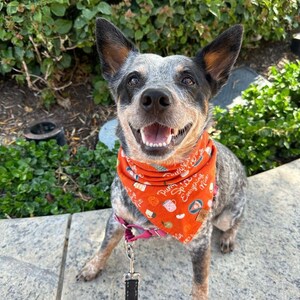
column 146, row 234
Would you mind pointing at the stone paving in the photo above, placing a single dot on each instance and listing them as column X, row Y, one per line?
column 40, row 257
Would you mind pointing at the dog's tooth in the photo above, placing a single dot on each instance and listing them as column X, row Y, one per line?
column 164, row 144
column 143, row 136
column 176, row 131
column 160, row 144
column 169, row 139
column 151, row 144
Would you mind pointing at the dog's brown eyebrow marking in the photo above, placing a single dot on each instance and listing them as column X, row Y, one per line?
column 180, row 68
column 141, row 69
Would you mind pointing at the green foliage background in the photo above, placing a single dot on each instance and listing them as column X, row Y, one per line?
column 49, row 38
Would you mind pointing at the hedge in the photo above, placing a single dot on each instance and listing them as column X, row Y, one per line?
column 265, row 132
column 51, row 42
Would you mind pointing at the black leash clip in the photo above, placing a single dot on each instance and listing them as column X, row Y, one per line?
column 131, row 278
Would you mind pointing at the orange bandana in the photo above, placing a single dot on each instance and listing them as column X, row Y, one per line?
column 175, row 198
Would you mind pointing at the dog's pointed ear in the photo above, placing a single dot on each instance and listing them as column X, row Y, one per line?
column 218, row 58
column 113, row 47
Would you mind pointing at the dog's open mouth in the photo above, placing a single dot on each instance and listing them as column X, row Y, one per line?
column 160, row 137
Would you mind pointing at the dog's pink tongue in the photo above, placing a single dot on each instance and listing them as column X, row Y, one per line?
column 156, row 133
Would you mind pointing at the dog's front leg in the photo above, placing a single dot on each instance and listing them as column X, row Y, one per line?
column 93, row 267
column 200, row 254
column 201, row 263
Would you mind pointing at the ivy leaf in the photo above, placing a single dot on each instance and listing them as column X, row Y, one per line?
column 286, row 144
column 2, row 34
column 63, row 26
column 19, row 53
column 138, row 35
column 12, row 7
column 104, row 8
column 37, row 16
column 66, row 60
column 58, row 9
column 214, row 9
column 89, row 14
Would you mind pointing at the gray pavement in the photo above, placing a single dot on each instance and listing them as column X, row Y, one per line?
column 40, row 257
column 238, row 81
column 31, row 257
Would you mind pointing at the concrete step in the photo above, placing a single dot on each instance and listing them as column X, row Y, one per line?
column 36, row 263
column 31, row 257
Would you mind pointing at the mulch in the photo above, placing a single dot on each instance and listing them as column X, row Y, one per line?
column 19, row 107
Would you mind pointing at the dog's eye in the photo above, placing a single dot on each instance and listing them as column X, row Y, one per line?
column 188, row 80
column 133, row 81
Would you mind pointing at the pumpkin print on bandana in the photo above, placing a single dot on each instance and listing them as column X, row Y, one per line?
column 175, row 198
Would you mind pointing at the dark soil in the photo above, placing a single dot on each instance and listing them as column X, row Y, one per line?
column 20, row 106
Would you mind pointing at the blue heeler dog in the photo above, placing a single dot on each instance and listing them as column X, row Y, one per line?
column 171, row 92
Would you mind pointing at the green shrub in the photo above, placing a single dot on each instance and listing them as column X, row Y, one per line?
column 265, row 132
column 42, row 41
column 44, row 179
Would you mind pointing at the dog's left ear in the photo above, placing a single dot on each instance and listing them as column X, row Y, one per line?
column 219, row 56
column 113, row 47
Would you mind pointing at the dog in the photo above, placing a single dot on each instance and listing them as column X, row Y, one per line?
column 164, row 110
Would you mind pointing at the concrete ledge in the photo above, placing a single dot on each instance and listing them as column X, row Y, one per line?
column 265, row 264
column 31, row 257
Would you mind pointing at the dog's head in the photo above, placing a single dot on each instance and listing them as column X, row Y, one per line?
column 163, row 102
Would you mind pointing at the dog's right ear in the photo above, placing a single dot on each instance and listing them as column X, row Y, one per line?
column 218, row 57
column 113, row 47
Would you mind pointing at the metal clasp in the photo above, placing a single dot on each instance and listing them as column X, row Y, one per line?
column 130, row 255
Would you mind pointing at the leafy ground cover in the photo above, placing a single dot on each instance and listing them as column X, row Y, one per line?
column 46, row 179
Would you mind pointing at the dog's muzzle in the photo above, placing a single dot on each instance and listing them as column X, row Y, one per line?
column 157, row 138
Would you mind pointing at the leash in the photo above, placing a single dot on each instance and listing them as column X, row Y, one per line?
column 132, row 278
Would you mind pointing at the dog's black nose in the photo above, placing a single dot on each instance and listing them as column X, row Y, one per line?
column 155, row 100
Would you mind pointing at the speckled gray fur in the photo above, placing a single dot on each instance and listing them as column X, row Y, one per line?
column 188, row 105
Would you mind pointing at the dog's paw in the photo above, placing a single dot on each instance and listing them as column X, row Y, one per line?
column 227, row 242
column 88, row 272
